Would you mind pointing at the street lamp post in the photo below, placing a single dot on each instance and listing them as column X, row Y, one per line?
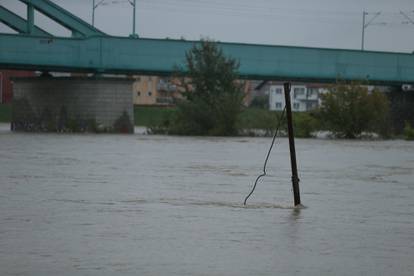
column 133, row 3
column 364, row 13
column 365, row 25
column 134, row 15
column 94, row 6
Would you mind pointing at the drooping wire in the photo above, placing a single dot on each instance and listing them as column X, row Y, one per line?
column 267, row 156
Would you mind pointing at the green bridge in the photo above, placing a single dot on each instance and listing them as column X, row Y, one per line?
column 90, row 50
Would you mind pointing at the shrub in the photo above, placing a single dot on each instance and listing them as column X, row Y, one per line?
column 123, row 124
column 305, row 124
column 408, row 132
column 260, row 102
column 349, row 109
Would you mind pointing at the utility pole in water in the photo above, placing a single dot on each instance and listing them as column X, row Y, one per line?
column 295, row 178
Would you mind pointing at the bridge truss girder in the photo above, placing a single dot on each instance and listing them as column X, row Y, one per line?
column 79, row 27
column 19, row 24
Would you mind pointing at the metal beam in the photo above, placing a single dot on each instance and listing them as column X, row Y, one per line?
column 158, row 56
column 17, row 23
column 30, row 19
column 63, row 17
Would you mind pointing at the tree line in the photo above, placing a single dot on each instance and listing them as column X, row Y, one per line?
column 212, row 104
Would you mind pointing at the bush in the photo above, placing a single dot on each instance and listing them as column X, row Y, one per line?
column 5, row 112
column 305, row 124
column 408, row 132
column 255, row 118
column 23, row 116
column 260, row 102
column 349, row 109
column 401, row 109
column 123, row 124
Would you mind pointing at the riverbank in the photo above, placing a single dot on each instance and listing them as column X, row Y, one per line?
column 252, row 122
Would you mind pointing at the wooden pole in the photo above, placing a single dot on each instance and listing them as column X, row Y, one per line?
column 295, row 178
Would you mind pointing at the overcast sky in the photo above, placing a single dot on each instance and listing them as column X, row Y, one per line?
column 314, row 23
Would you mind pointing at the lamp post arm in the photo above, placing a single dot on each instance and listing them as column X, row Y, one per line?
column 369, row 22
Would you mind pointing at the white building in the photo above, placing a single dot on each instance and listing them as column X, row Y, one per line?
column 303, row 97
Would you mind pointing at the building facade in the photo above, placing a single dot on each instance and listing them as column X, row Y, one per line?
column 153, row 90
column 6, row 83
column 303, row 97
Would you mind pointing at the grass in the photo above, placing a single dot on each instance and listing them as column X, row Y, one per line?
column 250, row 118
column 5, row 113
column 258, row 118
column 254, row 118
column 151, row 115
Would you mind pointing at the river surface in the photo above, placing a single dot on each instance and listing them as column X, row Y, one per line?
column 158, row 205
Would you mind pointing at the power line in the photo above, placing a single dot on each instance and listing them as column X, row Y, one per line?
column 241, row 12
column 255, row 12
column 409, row 19
column 95, row 5
column 241, row 7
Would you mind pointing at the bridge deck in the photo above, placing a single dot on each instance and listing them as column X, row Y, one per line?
column 107, row 54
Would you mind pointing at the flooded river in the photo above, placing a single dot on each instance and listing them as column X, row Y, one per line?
column 155, row 205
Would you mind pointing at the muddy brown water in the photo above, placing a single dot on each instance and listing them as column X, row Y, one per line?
column 157, row 205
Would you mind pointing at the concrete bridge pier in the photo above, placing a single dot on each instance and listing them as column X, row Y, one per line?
column 72, row 104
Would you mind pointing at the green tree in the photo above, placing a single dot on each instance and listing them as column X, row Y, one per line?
column 212, row 98
column 260, row 102
column 349, row 109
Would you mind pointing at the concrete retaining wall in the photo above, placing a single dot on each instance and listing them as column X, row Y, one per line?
column 72, row 104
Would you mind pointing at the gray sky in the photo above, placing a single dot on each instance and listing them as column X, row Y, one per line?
column 314, row 23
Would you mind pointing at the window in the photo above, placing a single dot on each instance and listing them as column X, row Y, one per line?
column 295, row 105
column 278, row 105
column 299, row 91
column 312, row 92
column 149, row 93
column 278, row 90
column 138, row 93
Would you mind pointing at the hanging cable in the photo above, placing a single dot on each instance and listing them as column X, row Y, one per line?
column 267, row 156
